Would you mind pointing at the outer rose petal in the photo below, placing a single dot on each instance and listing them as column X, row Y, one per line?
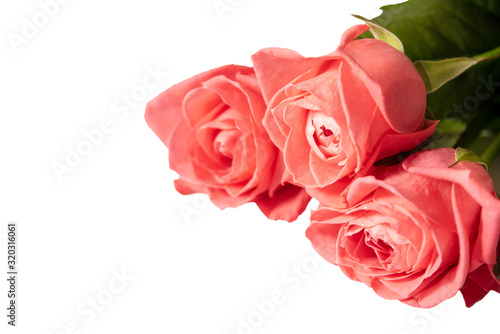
column 385, row 79
column 350, row 34
column 276, row 67
column 473, row 291
column 286, row 204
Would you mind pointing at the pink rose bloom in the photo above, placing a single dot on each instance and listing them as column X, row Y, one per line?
column 417, row 232
column 333, row 115
column 212, row 126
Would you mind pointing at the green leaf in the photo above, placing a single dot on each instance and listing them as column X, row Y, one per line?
column 463, row 154
column 436, row 73
column 383, row 34
column 429, row 114
column 448, row 132
column 442, row 29
column 496, row 268
column 437, row 30
column 451, row 126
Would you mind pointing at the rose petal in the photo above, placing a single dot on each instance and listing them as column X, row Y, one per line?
column 276, row 67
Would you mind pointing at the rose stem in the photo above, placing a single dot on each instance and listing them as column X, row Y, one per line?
column 491, row 152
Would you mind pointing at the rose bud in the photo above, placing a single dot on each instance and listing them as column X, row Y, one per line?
column 417, row 232
column 212, row 126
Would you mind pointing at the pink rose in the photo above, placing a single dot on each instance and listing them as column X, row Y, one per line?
column 333, row 115
column 417, row 232
column 212, row 126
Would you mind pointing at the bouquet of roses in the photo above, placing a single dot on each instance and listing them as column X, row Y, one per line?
column 393, row 134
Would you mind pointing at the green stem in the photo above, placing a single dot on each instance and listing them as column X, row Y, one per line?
column 489, row 55
column 475, row 125
column 490, row 154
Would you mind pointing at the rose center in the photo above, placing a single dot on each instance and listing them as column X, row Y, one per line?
column 323, row 134
column 326, row 132
column 380, row 247
column 225, row 142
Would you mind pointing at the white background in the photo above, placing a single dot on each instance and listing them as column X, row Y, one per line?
column 190, row 267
